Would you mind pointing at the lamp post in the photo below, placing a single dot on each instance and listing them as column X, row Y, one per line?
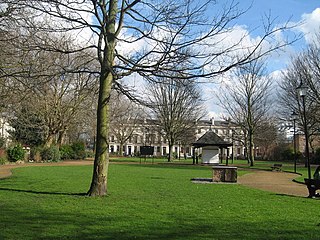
column 294, row 117
column 302, row 90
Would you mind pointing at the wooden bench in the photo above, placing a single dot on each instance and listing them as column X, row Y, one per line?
column 276, row 167
column 313, row 185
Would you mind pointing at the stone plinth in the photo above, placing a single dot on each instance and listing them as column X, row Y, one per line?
column 224, row 174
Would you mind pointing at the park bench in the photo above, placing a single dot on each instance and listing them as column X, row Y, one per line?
column 313, row 185
column 276, row 167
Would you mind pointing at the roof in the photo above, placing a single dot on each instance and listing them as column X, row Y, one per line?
column 211, row 139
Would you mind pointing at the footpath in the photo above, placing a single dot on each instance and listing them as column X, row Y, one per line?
column 277, row 182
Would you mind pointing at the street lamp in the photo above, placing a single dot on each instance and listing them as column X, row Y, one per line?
column 294, row 117
column 302, row 90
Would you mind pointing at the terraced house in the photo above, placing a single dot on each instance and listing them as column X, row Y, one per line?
column 127, row 139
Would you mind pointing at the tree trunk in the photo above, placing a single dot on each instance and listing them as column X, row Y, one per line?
column 61, row 137
column 49, row 140
column 101, row 162
column 251, row 149
column 121, row 149
column 106, row 57
column 170, row 152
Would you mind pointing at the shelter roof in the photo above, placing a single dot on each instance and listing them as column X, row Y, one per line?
column 211, row 139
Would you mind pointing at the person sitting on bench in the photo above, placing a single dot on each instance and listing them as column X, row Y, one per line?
column 316, row 176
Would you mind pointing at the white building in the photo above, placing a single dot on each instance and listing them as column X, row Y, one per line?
column 145, row 134
column 4, row 130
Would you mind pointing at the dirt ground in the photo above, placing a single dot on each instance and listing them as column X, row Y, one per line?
column 277, row 182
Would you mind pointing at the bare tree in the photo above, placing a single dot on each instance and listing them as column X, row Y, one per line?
column 124, row 118
column 53, row 90
column 304, row 68
column 266, row 137
column 157, row 36
column 176, row 103
column 246, row 98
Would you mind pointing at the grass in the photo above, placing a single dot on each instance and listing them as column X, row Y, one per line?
column 262, row 165
column 147, row 202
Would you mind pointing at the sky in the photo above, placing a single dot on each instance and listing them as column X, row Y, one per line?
column 304, row 12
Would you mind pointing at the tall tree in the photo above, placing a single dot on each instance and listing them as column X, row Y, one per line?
column 266, row 137
column 124, row 117
column 304, row 68
column 28, row 127
column 54, row 89
column 144, row 37
column 246, row 98
column 176, row 103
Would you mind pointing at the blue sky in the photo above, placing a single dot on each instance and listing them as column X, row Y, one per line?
column 282, row 9
column 305, row 12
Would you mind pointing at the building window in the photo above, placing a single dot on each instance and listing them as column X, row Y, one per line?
column 164, row 150
column 187, row 150
column 239, row 151
column 135, row 139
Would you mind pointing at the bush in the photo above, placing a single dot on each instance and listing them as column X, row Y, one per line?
column 76, row 150
column 89, row 154
column 79, row 150
column 287, row 154
column 66, row 152
column 16, row 153
column 35, row 154
column 316, row 157
column 3, row 160
column 51, row 154
column 2, row 142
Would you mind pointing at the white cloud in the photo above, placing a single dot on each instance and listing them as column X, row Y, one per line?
column 310, row 25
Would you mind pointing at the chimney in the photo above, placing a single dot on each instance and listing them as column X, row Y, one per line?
column 212, row 121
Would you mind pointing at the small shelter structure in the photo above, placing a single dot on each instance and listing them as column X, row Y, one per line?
column 212, row 145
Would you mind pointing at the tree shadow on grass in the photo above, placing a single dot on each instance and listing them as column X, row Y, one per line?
column 42, row 192
column 290, row 195
column 66, row 224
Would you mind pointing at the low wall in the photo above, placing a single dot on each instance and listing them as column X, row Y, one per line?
column 224, row 174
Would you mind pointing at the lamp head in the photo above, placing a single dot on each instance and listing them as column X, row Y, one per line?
column 294, row 115
column 302, row 89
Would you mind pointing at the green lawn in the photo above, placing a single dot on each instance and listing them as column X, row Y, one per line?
column 147, row 202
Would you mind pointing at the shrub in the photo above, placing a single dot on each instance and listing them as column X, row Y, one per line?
column 79, row 150
column 287, row 154
column 2, row 142
column 316, row 157
column 66, row 152
column 51, row 154
column 15, row 153
column 3, row 160
column 35, row 154
column 89, row 154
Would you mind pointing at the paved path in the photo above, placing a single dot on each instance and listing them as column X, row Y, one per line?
column 278, row 182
